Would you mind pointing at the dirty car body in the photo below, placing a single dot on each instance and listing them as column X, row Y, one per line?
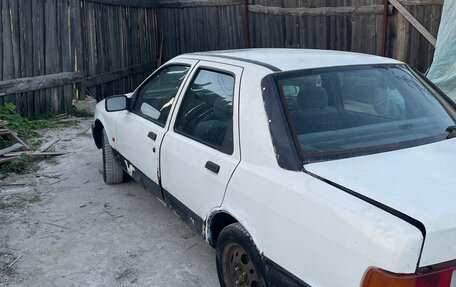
column 321, row 168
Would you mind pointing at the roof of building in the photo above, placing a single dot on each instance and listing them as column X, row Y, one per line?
column 296, row 59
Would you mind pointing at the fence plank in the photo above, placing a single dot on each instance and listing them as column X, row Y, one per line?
column 21, row 85
column 119, row 74
column 421, row 2
column 66, row 55
column 14, row 12
column 130, row 3
column 38, row 50
column 413, row 21
column 15, row 33
column 198, row 3
column 320, row 11
column 8, row 62
column 1, row 45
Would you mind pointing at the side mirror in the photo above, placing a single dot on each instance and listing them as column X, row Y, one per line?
column 116, row 103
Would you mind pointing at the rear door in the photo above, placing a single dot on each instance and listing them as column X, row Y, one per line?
column 201, row 149
column 140, row 130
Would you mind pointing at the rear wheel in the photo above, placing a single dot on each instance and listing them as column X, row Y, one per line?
column 112, row 172
column 238, row 261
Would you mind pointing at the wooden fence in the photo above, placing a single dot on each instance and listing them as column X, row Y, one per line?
column 347, row 25
column 120, row 45
column 54, row 50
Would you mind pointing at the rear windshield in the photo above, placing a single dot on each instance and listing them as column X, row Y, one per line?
column 338, row 111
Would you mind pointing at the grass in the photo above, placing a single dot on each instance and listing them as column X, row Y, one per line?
column 51, row 161
column 34, row 199
column 22, row 165
column 6, row 205
column 26, row 129
column 81, row 113
column 20, row 201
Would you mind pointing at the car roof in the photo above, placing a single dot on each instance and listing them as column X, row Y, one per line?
column 295, row 59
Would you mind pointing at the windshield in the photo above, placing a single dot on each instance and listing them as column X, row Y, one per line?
column 344, row 110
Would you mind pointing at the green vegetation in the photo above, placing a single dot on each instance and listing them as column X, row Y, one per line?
column 34, row 199
column 4, row 143
column 26, row 130
column 51, row 161
column 21, row 165
column 25, row 127
column 81, row 113
column 5, row 205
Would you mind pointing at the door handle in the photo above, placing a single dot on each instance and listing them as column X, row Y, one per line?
column 152, row 136
column 212, row 167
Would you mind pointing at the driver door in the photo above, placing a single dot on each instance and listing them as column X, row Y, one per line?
column 140, row 130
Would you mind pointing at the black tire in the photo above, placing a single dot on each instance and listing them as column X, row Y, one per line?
column 237, row 258
column 112, row 172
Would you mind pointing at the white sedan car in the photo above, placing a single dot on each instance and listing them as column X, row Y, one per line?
column 301, row 167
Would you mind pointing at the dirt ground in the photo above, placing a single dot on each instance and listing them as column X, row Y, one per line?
column 66, row 227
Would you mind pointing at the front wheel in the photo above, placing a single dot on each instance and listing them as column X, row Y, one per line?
column 238, row 261
column 112, row 171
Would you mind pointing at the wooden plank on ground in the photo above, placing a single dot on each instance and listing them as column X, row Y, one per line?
column 12, row 148
column 7, row 159
column 39, row 82
column 413, row 21
column 319, row 11
column 15, row 138
column 35, row 154
column 44, row 147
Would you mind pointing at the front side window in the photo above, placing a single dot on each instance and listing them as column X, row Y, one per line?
column 338, row 111
column 206, row 112
column 155, row 98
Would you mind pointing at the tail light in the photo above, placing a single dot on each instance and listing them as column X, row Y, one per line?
column 379, row 278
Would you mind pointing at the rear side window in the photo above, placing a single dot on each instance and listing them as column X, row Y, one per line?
column 206, row 112
column 156, row 97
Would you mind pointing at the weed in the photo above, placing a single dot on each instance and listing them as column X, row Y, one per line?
column 81, row 113
column 51, row 161
column 21, row 165
column 5, row 142
column 5, row 205
column 25, row 127
column 36, row 143
column 26, row 130
column 34, row 199
column 7, row 109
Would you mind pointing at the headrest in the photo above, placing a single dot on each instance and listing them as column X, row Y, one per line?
column 312, row 97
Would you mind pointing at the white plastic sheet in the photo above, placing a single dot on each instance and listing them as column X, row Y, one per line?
column 443, row 69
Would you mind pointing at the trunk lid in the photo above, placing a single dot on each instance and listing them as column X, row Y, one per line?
column 419, row 182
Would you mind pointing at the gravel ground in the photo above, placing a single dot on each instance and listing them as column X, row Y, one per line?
column 67, row 228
